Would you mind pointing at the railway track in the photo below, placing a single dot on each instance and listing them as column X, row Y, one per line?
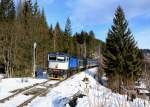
column 41, row 93
column 21, row 90
column 33, row 90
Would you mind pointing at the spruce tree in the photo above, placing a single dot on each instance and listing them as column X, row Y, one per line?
column 67, row 37
column 91, row 44
column 1, row 12
column 12, row 12
column 58, row 39
column 7, row 10
column 44, row 39
column 55, row 37
column 122, row 58
column 36, row 11
column 68, row 29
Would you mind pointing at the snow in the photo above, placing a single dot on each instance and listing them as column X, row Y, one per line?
column 95, row 95
column 1, row 77
column 142, row 85
column 144, row 91
column 142, row 88
column 82, row 102
column 15, row 101
column 10, row 84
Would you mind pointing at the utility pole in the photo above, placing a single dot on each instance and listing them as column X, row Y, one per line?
column 34, row 58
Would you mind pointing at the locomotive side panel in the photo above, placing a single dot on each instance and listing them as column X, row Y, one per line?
column 73, row 63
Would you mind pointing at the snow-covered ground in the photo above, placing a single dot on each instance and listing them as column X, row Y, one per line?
column 9, row 84
column 142, row 88
column 94, row 94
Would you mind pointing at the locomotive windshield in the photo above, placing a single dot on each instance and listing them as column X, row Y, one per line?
column 52, row 58
column 57, row 58
column 60, row 58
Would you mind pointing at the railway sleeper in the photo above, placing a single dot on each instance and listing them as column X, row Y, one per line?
column 34, row 91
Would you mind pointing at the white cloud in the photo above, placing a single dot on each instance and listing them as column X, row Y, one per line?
column 102, row 11
column 89, row 11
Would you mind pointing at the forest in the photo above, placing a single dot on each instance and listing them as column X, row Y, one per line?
column 24, row 24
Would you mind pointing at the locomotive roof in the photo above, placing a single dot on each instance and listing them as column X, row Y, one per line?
column 64, row 54
column 58, row 53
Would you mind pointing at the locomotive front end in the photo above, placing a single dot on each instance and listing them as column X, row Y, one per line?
column 58, row 64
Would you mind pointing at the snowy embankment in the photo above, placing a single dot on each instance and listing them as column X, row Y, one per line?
column 89, row 93
column 94, row 95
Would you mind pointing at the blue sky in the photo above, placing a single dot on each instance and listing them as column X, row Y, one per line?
column 97, row 15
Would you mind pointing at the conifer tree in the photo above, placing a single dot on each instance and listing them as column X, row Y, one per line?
column 36, row 11
column 58, row 39
column 12, row 12
column 90, row 41
column 1, row 12
column 67, row 37
column 122, row 58
column 43, row 39
column 68, row 29
column 7, row 10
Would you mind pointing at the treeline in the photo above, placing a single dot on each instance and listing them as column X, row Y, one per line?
column 23, row 25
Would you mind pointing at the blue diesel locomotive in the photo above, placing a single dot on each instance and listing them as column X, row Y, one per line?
column 60, row 65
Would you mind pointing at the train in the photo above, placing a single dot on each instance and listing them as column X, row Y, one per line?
column 61, row 65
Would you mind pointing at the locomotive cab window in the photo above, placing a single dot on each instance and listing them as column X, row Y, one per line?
column 52, row 58
column 60, row 58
